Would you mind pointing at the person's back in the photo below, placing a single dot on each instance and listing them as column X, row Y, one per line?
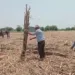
column 39, row 35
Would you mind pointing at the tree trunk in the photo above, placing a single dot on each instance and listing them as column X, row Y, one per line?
column 26, row 26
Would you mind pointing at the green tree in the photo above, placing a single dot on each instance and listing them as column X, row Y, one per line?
column 42, row 28
column 9, row 28
column 19, row 28
column 68, row 28
column 47, row 28
column 73, row 28
column 53, row 27
column 62, row 29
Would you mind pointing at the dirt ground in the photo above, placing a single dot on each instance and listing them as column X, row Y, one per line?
column 60, row 59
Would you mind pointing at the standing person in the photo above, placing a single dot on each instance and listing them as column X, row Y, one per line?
column 40, row 40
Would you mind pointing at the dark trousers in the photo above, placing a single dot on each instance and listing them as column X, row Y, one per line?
column 41, row 50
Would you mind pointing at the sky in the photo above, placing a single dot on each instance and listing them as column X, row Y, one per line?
column 43, row 12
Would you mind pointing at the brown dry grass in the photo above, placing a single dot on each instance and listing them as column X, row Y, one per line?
column 60, row 59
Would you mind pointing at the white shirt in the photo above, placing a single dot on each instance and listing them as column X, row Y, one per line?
column 39, row 35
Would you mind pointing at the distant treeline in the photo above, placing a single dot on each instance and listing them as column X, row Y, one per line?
column 46, row 28
column 55, row 28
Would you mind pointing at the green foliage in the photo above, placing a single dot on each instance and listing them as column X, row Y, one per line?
column 42, row 28
column 68, row 28
column 62, row 29
column 47, row 28
column 73, row 28
column 31, row 29
column 53, row 27
column 19, row 28
column 7, row 28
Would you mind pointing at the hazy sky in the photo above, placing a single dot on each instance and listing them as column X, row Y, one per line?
column 43, row 12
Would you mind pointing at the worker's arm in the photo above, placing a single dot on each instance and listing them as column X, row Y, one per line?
column 32, row 38
column 30, row 33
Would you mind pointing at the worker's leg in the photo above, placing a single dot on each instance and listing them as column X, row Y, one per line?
column 41, row 49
